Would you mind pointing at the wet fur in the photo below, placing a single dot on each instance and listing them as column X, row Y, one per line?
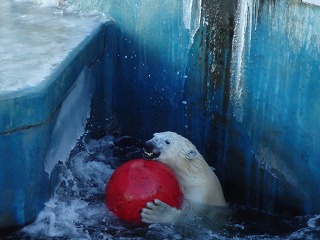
column 199, row 183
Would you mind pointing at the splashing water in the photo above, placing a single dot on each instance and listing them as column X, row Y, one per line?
column 77, row 210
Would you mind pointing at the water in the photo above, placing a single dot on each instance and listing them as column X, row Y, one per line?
column 77, row 210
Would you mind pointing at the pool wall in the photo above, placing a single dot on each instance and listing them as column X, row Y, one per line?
column 164, row 76
column 26, row 126
column 276, row 107
column 168, row 78
column 158, row 72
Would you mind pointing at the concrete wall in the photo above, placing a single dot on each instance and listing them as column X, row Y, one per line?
column 28, row 117
column 263, row 141
column 162, row 66
column 277, row 112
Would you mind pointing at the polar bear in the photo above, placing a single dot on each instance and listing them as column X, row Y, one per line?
column 199, row 183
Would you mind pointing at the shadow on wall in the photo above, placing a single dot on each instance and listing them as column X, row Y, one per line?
column 154, row 90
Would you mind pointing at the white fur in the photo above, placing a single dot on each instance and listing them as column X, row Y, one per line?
column 199, row 183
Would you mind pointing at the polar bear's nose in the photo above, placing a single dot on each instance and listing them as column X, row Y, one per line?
column 150, row 150
column 148, row 147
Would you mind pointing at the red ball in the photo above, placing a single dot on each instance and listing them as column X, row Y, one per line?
column 137, row 182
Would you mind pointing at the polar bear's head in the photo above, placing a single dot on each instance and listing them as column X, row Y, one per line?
column 172, row 149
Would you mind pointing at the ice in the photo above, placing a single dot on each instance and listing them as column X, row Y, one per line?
column 35, row 40
column 49, row 3
column 246, row 17
column 187, row 13
column 192, row 16
column 316, row 2
column 71, row 121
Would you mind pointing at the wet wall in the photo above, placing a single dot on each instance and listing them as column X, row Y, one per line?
column 42, row 55
column 161, row 75
column 171, row 66
column 170, row 69
column 162, row 66
column 275, row 107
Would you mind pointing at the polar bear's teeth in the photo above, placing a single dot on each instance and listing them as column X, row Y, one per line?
column 149, row 154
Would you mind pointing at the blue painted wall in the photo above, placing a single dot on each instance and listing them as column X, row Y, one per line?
column 163, row 77
column 267, row 157
column 24, row 184
column 149, row 58
column 157, row 79
column 27, row 120
column 279, row 108
column 154, row 74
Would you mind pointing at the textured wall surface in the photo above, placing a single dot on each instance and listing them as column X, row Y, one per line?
column 258, row 129
column 29, row 114
column 167, row 65
column 276, row 103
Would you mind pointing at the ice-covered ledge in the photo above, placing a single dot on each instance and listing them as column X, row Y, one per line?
column 39, row 44
column 42, row 53
column 314, row 2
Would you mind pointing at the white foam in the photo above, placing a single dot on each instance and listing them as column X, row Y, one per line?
column 69, row 213
column 77, row 209
column 314, row 222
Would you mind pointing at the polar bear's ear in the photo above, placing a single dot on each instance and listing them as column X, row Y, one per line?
column 192, row 154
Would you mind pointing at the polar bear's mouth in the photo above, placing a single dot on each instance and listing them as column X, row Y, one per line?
column 150, row 152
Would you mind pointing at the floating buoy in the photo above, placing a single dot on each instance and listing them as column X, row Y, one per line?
column 137, row 182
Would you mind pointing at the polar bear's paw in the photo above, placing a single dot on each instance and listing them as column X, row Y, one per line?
column 159, row 212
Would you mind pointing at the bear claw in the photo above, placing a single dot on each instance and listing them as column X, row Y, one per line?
column 158, row 212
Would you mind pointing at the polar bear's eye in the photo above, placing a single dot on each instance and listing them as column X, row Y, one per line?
column 167, row 142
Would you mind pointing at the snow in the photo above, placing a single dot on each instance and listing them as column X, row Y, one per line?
column 315, row 2
column 35, row 40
